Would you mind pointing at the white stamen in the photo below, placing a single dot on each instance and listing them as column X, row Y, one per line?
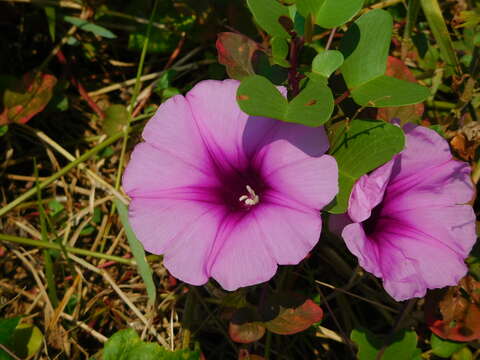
column 250, row 199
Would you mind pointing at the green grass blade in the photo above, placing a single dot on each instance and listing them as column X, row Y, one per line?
column 49, row 272
column 138, row 252
column 435, row 19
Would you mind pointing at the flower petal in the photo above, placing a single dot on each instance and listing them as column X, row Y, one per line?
column 363, row 248
column 408, row 262
column 453, row 226
column 412, row 263
column 242, row 258
column 368, row 192
column 173, row 131
column 220, row 120
column 182, row 230
column 446, row 184
column 311, row 181
column 153, row 172
column 424, row 149
column 288, row 232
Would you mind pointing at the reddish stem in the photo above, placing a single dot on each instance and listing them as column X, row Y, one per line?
column 83, row 93
column 294, row 76
column 342, row 97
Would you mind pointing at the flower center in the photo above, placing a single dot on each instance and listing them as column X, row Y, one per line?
column 251, row 198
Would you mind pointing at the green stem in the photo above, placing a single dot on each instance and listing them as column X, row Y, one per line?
column 55, row 246
column 60, row 173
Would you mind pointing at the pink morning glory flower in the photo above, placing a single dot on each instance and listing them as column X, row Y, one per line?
column 411, row 226
column 225, row 195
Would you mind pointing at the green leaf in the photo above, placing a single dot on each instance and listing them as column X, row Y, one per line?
column 330, row 13
column 389, row 91
column 271, row 16
column 326, row 62
column 307, row 7
column 3, row 130
column 116, row 118
column 312, row 106
column 259, row 97
column 127, row 345
column 50, row 13
column 88, row 26
column 368, row 345
column 360, row 147
column 435, row 19
column 463, row 354
column 26, row 340
column 273, row 72
column 444, row 348
column 365, row 48
column 138, row 252
column 280, row 51
column 403, row 345
column 7, row 326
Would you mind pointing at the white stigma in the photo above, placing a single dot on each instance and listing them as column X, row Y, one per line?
column 250, row 199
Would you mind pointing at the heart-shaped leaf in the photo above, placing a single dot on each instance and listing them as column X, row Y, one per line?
column 25, row 98
column 271, row 16
column 259, row 97
column 326, row 62
column 312, row 106
column 127, row 345
column 330, row 13
column 235, row 51
column 365, row 47
column 444, row 348
column 402, row 346
column 359, row 147
column 279, row 51
column 389, row 91
column 292, row 321
column 397, row 68
column 26, row 340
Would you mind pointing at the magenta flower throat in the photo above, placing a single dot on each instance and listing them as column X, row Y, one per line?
column 225, row 195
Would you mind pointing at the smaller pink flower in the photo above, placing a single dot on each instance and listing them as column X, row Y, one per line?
column 225, row 195
column 411, row 226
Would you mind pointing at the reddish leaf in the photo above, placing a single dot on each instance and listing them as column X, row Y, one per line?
column 235, row 51
column 291, row 321
column 244, row 354
column 396, row 68
column 454, row 313
column 25, row 98
column 246, row 333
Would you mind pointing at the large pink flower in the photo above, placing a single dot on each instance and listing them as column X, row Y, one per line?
column 225, row 195
column 410, row 225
